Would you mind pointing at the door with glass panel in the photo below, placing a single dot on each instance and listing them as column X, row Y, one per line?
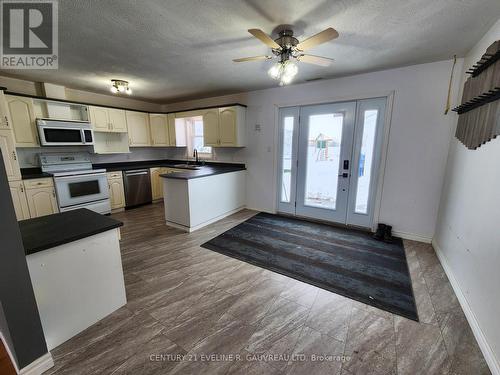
column 329, row 157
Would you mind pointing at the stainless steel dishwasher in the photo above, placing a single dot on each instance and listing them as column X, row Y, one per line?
column 137, row 187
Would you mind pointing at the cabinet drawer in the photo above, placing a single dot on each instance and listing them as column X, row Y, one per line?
column 38, row 183
column 112, row 175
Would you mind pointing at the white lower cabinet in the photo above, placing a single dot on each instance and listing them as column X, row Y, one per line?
column 41, row 197
column 116, row 191
column 9, row 155
column 157, row 183
column 18, row 194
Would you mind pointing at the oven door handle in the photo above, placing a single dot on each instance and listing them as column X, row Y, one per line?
column 79, row 175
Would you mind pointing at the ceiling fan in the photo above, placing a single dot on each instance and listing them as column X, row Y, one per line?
column 288, row 49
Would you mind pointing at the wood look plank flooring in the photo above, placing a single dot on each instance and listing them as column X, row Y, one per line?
column 194, row 311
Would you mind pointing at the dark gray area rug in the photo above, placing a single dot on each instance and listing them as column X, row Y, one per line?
column 343, row 261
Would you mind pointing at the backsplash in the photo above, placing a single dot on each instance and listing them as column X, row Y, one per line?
column 28, row 157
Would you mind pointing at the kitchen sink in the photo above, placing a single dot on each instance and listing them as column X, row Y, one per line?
column 187, row 166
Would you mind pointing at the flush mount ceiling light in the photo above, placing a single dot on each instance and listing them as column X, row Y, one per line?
column 287, row 49
column 120, row 86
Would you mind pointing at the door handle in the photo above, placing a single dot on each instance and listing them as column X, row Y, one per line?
column 344, row 175
column 346, row 164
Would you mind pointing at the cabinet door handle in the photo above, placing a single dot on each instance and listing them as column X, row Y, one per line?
column 53, row 193
column 14, row 155
column 22, row 188
column 6, row 121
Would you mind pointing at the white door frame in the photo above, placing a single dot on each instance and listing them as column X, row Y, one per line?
column 334, row 99
column 354, row 218
column 288, row 207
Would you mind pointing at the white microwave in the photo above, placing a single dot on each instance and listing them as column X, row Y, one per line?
column 64, row 133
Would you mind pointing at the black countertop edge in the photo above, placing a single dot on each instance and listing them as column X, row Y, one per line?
column 205, row 171
column 49, row 231
column 36, row 172
column 123, row 166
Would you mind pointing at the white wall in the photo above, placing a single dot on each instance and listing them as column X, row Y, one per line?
column 418, row 144
column 468, row 234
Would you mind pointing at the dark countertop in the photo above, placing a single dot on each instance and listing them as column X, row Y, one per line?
column 210, row 168
column 215, row 168
column 123, row 166
column 46, row 232
column 204, row 171
column 30, row 173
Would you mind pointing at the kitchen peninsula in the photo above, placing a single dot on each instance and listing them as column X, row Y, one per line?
column 195, row 198
column 75, row 268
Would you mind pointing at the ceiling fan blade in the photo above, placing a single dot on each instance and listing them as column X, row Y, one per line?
column 253, row 58
column 319, row 38
column 264, row 38
column 316, row 60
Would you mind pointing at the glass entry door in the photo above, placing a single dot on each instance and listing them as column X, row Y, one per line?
column 329, row 158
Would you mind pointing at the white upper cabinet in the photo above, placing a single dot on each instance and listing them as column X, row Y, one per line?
column 23, row 120
column 9, row 155
column 108, row 119
column 211, row 133
column 117, row 120
column 5, row 120
column 224, row 127
column 228, row 125
column 159, row 130
column 138, row 129
column 99, row 118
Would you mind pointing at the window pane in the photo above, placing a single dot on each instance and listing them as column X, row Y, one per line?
column 197, row 136
column 198, row 128
column 286, row 171
column 323, row 160
column 197, row 143
column 366, row 161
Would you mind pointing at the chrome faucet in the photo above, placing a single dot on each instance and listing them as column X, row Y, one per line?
column 195, row 155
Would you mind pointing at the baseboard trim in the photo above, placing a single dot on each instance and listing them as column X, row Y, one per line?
column 39, row 366
column 486, row 349
column 204, row 224
column 412, row 236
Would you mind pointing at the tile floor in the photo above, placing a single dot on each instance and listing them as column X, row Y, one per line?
column 194, row 311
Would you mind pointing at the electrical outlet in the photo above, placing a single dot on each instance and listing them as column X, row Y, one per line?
column 257, row 127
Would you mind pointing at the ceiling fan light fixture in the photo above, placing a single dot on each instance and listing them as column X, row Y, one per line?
column 275, row 71
column 288, row 50
column 283, row 71
column 114, row 90
column 290, row 69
